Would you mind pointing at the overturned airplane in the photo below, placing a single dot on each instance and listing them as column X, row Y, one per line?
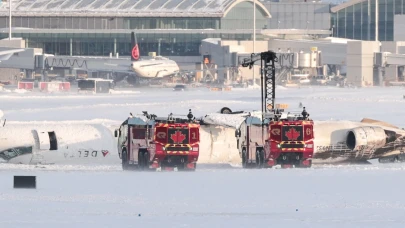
column 56, row 143
column 87, row 142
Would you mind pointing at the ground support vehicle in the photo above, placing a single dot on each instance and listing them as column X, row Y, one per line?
column 287, row 140
column 150, row 142
column 275, row 137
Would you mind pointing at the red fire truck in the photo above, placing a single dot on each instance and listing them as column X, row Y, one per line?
column 276, row 137
column 285, row 139
column 150, row 142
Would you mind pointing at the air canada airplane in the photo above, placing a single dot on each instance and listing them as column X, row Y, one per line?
column 157, row 67
column 337, row 141
column 56, row 143
column 153, row 68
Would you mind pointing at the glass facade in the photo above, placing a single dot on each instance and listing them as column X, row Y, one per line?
column 241, row 17
column 358, row 20
column 65, row 22
column 171, row 23
column 77, row 32
column 299, row 15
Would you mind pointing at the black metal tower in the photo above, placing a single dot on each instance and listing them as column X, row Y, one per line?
column 268, row 78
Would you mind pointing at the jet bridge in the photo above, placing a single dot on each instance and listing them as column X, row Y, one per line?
column 46, row 62
column 384, row 61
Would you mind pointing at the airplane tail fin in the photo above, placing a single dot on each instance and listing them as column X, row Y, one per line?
column 135, row 49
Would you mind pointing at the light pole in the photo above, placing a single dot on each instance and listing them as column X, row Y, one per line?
column 376, row 20
column 368, row 19
column 254, row 36
column 9, row 20
column 160, row 40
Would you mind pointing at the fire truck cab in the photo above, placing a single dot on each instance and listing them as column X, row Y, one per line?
column 150, row 142
column 286, row 139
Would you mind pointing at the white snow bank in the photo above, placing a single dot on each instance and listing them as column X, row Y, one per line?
column 218, row 145
column 254, row 86
column 20, row 91
column 281, row 87
column 1, row 114
column 2, row 89
column 123, row 92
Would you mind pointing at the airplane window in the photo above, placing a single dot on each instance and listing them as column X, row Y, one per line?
column 13, row 152
column 53, row 141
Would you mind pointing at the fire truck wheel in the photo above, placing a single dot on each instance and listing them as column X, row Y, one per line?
column 259, row 158
column 124, row 160
column 244, row 158
column 262, row 158
column 140, row 160
column 146, row 157
column 226, row 110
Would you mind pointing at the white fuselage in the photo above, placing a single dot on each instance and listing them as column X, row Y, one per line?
column 93, row 143
column 158, row 67
column 77, row 143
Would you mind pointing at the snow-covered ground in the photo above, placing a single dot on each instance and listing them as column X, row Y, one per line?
column 323, row 103
column 213, row 196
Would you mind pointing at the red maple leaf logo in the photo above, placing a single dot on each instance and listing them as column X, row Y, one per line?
column 178, row 137
column 135, row 52
column 292, row 134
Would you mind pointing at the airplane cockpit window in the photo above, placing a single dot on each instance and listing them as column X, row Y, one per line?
column 13, row 152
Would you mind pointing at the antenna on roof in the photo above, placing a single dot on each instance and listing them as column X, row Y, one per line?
column 190, row 115
column 170, row 118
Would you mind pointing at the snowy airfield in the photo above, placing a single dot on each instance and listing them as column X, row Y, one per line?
column 213, row 196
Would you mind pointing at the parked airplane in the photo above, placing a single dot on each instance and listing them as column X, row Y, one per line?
column 337, row 141
column 157, row 67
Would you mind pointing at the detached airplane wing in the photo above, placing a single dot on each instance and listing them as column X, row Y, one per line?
column 5, row 55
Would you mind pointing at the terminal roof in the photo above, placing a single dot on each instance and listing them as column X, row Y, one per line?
column 124, row 8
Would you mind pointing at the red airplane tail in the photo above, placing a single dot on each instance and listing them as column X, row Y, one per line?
column 135, row 49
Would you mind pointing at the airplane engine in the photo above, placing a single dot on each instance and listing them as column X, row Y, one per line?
column 361, row 137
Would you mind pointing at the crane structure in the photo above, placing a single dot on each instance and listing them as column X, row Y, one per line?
column 286, row 139
column 268, row 78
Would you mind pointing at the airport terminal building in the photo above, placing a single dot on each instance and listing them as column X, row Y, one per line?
column 101, row 27
column 179, row 30
column 356, row 19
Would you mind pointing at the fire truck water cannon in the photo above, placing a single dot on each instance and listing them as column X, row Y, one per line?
column 150, row 142
column 277, row 137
